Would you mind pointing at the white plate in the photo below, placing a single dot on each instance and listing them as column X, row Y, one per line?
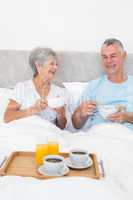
column 45, row 172
column 69, row 164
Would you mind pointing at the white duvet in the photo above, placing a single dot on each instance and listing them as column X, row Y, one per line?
column 113, row 143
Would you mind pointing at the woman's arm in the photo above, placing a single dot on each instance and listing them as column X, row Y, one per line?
column 61, row 118
column 13, row 111
column 77, row 119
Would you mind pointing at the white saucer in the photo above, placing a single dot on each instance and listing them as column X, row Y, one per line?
column 45, row 172
column 86, row 165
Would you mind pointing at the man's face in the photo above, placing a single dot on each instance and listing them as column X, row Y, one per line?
column 112, row 59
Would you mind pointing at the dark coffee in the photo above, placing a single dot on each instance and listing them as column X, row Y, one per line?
column 79, row 152
column 53, row 160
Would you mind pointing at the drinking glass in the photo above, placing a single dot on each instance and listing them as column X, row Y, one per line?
column 53, row 145
column 41, row 152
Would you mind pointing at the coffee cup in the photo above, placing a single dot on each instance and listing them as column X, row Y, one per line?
column 79, row 157
column 106, row 110
column 53, row 164
column 56, row 102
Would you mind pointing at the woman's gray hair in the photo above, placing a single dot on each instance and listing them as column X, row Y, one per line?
column 40, row 55
column 112, row 41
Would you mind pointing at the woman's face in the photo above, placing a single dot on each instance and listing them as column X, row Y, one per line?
column 48, row 70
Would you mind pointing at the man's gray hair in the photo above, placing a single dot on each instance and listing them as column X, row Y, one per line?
column 112, row 41
column 40, row 55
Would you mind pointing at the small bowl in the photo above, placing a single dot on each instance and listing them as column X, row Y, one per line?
column 106, row 110
column 56, row 102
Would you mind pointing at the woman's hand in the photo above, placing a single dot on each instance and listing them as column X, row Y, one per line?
column 40, row 105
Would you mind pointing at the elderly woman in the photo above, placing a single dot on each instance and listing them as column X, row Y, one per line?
column 30, row 97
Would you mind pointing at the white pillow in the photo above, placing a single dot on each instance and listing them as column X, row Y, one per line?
column 75, row 90
column 4, row 100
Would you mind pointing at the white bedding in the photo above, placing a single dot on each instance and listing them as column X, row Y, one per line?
column 113, row 143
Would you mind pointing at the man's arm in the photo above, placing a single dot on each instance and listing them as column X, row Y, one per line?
column 129, row 117
column 122, row 117
column 82, row 113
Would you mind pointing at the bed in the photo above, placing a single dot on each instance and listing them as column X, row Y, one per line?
column 112, row 143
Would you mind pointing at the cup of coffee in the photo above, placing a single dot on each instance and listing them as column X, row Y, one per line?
column 53, row 164
column 79, row 157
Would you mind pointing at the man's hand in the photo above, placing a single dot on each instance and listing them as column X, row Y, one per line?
column 83, row 112
column 119, row 117
column 87, row 108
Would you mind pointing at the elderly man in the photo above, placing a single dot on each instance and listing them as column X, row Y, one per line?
column 114, row 88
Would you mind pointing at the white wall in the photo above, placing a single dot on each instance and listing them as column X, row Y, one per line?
column 65, row 24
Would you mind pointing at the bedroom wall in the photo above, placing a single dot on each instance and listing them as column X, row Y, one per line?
column 65, row 24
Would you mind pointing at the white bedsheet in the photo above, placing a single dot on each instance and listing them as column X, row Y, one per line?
column 113, row 143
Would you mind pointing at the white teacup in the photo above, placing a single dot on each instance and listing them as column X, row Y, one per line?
column 56, row 102
column 106, row 110
column 53, row 164
column 79, row 157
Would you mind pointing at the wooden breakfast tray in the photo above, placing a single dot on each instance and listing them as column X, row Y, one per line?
column 22, row 163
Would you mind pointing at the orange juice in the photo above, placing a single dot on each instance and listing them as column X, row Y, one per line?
column 53, row 148
column 41, row 151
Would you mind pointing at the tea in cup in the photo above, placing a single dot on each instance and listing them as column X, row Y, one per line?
column 79, row 157
column 53, row 164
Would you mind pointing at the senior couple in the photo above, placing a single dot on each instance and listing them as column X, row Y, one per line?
column 115, row 87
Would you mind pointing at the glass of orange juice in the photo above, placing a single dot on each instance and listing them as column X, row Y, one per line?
column 53, row 145
column 41, row 151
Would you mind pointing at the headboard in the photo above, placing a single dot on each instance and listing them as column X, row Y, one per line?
column 73, row 66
